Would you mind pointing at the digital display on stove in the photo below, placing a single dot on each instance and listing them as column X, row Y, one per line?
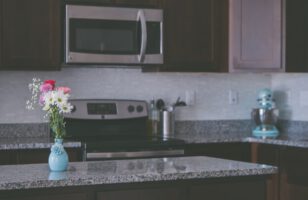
column 102, row 109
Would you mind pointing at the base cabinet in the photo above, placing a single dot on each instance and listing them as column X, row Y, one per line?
column 76, row 196
column 12, row 157
column 224, row 191
column 294, row 174
column 270, row 155
column 143, row 194
column 291, row 183
column 239, row 188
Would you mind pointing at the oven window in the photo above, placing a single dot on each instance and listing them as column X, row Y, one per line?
column 104, row 36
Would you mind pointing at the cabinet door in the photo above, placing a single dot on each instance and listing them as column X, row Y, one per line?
column 8, row 157
column 255, row 35
column 138, row 3
column 294, row 174
column 270, row 155
column 143, row 194
column 194, row 34
column 76, row 196
column 229, row 190
column 1, row 29
column 31, row 34
column 296, row 36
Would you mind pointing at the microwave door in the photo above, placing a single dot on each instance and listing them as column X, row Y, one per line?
column 97, row 34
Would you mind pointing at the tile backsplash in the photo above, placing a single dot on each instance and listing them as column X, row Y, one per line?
column 291, row 93
column 212, row 90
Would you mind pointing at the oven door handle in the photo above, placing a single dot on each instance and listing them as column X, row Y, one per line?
column 144, row 35
column 136, row 154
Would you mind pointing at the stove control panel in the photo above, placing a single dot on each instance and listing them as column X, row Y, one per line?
column 107, row 109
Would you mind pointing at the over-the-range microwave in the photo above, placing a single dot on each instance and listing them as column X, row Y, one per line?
column 113, row 35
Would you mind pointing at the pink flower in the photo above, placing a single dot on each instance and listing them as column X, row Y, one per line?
column 66, row 90
column 51, row 82
column 45, row 87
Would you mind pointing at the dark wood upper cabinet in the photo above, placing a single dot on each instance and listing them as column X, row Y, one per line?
column 142, row 3
column 296, row 36
column 1, row 28
column 195, row 35
column 31, row 34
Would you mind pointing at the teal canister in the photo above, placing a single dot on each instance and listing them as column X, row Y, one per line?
column 58, row 158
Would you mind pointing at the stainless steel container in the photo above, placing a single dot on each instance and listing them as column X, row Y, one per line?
column 166, row 123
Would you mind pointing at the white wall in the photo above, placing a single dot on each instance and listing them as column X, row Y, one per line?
column 291, row 92
column 211, row 90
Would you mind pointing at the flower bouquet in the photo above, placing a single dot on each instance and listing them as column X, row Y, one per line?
column 54, row 100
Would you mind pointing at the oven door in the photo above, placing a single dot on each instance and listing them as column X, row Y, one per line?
column 96, row 34
column 134, row 154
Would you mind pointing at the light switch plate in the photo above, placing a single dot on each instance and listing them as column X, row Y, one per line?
column 233, row 97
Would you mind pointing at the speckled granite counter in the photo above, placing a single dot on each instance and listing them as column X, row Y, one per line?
column 126, row 171
column 41, row 143
column 33, row 143
column 282, row 140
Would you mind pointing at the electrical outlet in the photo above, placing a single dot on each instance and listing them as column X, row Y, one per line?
column 233, row 97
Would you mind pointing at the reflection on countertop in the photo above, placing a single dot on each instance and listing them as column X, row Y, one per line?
column 126, row 171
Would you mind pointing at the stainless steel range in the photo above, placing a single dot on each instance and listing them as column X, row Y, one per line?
column 112, row 129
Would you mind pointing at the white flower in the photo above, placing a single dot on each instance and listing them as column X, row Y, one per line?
column 49, row 98
column 60, row 98
column 66, row 108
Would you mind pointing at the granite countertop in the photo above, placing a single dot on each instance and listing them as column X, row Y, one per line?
column 282, row 140
column 44, row 142
column 126, row 171
column 33, row 143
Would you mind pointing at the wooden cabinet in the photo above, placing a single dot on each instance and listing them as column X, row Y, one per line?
column 239, row 190
column 296, row 36
column 294, row 174
column 142, row 194
column 256, row 35
column 243, row 188
column 7, row 157
column 141, row 3
column 291, row 183
column 76, row 196
column 195, row 35
column 28, row 156
column 41, row 155
column 1, row 29
column 270, row 155
column 31, row 34
column 232, row 151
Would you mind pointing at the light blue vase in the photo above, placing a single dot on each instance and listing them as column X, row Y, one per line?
column 58, row 158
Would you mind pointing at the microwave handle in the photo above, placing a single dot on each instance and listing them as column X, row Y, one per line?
column 144, row 36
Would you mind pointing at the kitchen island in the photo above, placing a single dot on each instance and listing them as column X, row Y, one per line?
column 158, row 178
